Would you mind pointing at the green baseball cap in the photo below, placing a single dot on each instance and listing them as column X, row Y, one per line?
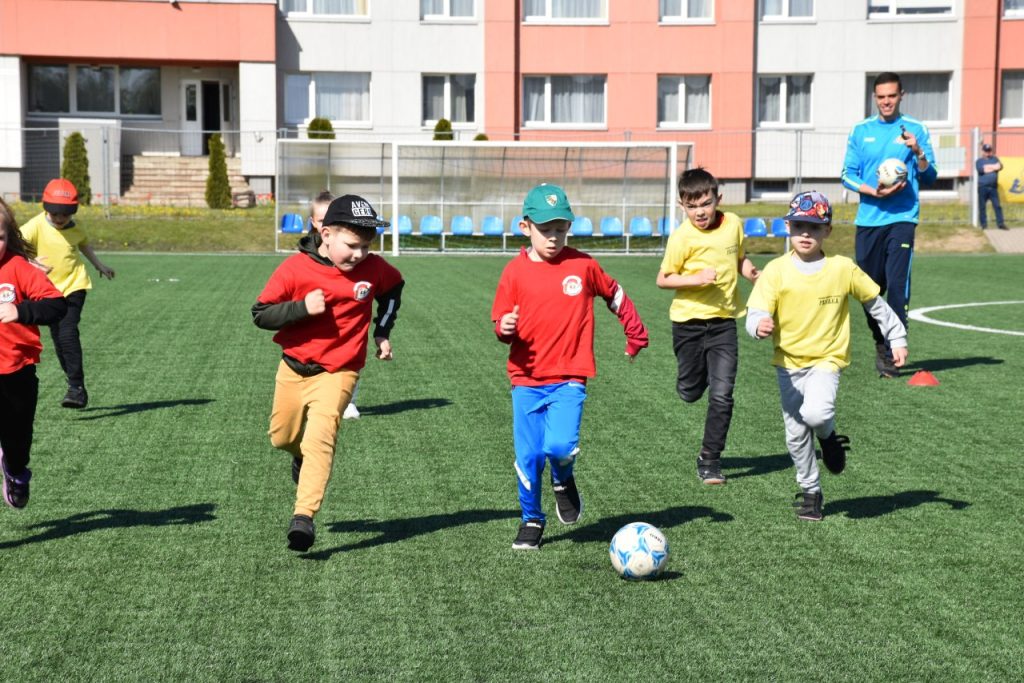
column 547, row 203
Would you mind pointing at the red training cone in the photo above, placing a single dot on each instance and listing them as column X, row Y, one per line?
column 923, row 378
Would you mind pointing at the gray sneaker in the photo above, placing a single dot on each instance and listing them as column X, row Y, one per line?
column 808, row 505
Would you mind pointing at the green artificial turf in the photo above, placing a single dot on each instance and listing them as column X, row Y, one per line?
column 153, row 547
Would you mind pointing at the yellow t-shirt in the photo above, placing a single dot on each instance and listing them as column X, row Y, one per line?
column 811, row 312
column 58, row 249
column 690, row 250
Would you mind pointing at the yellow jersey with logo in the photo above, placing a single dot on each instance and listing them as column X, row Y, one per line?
column 811, row 311
column 690, row 250
column 58, row 249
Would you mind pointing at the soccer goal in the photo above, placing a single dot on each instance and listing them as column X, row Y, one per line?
column 459, row 196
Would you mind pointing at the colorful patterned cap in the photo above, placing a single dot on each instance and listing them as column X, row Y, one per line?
column 810, row 207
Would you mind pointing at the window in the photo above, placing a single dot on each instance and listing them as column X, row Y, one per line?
column 225, row 97
column 446, row 9
column 449, row 97
column 684, row 100
column 1013, row 96
column 786, row 9
column 685, row 10
column 564, row 10
column 342, row 97
column 784, row 100
column 330, row 8
column 880, row 9
column 1013, row 8
column 926, row 96
column 81, row 89
column 564, row 100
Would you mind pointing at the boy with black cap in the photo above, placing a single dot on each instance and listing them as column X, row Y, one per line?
column 320, row 303
column 801, row 300
column 55, row 241
column 544, row 311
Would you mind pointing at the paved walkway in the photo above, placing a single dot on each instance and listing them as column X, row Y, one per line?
column 1006, row 241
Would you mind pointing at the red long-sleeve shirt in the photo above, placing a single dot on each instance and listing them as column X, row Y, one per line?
column 38, row 303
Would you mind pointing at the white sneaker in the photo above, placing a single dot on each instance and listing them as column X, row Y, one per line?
column 351, row 412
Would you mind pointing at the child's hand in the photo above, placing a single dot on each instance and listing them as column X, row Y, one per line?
column 754, row 274
column 765, row 327
column 509, row 322
column 706, row 276
column 106, row 272
column 315, row 302
column 383, row 348
column 899, row 356
column 8, row 313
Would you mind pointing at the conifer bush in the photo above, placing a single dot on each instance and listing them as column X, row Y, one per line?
column 218, row 190
column 443, row 130
column 75, row 166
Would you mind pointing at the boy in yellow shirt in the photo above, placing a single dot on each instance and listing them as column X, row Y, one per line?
column 801, row 300
column 702, row 263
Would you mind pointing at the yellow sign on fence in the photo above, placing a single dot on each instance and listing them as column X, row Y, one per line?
column 1011, row 179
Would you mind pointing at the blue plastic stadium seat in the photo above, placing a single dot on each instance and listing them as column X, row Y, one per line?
column 493, row 225
column 640, row 226
column 292, row 223
column 582, row 227
column 755, row 227
column 431, row 225
column 404, row 225
column 611, row 226
column 513, row 225
column 665, row 226
column 462, row 225
column 779, row 228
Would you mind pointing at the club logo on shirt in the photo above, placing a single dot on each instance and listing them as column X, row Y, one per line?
column 829, row 300
column 572, row 285
column 361, row 290
column 6, row 293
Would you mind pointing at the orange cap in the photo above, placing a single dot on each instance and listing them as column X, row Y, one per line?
column 60, row 196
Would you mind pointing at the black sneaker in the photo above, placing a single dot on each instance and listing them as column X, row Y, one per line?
column 883, row 362
column 529, row 535
column 709, row 471
column 1002, row 227
column 15, row 487
column 296, row 468
column 301, row 533
column 568, row 503
column 77, row 397
column 833, row 452
column 808, row 506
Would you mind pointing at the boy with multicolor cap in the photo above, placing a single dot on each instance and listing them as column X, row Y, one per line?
column 544, row 311
column 55, row 241
column 801, row 301
column 320, row 303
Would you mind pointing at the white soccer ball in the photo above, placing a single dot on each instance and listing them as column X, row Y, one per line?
column 639, row 551
column 891, row 171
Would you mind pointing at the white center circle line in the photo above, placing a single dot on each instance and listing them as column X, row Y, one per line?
column 919, row 314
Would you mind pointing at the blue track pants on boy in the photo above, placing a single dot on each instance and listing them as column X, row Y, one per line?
column 545, row 426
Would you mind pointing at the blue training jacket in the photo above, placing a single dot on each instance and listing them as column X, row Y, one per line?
column 871, row 142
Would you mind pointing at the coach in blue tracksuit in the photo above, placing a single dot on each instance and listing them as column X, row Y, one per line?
column 887, row 216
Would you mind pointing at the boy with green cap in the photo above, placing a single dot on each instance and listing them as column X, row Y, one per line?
column 544, row 311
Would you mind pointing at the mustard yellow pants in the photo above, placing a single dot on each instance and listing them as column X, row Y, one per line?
column 304, row 422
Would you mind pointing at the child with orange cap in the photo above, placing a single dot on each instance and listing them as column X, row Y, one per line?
column 55, row 241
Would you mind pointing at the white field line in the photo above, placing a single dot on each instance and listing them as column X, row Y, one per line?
column 920, row 314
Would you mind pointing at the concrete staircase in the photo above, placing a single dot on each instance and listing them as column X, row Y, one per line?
column 174, row 181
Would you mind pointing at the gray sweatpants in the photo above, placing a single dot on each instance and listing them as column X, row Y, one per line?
column 808, row 409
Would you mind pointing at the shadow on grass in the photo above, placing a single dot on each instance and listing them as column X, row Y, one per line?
column 758, row 465
column 876, row 506
column 402, row 406
column 603, row 529
column 395, row 530
column 85, row 522
column 937, row 364
column 129, row 408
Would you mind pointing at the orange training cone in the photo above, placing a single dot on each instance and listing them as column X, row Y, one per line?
column 923, row 378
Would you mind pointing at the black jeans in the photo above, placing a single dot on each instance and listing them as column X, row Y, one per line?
column 706, row 353
column 66, row 342
column 19, row 392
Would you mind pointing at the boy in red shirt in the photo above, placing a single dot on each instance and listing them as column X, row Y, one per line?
column 320, row 302
column 27, row 299
column 544, row 310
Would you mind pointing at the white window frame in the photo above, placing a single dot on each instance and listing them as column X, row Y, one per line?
column 784, row 15
column 1011, row 122
column 681, row 123
column 335, row 123
column 309, row 15
column 73, row 95
column 446, row 15
column 783, row 103
column 684, row 18
column 931, row 123
column 546, row 18
column 458, row 125
column 547, row 123
column 891, row 12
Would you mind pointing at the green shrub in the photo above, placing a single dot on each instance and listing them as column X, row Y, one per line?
column 218, row 190
column 443, row 130
column 480, row 137
column 76, row 167
column 320, row 129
